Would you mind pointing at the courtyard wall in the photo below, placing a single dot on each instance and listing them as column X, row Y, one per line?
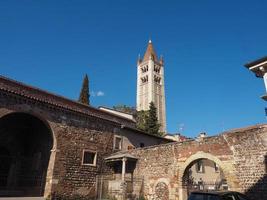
column 74, row 127
column 240, row 153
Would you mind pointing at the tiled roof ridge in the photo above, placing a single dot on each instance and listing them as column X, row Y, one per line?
column 106, row 107
column 38, row 94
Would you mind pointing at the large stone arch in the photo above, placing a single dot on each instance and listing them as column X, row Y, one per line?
column 14, row 117
column 226, row 166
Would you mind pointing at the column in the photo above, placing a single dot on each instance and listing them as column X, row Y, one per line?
column 123, row 168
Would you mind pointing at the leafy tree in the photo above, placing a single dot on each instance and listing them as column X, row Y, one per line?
column 84, row 94
column 152, row 125
column 145, row 120
column 126, row 109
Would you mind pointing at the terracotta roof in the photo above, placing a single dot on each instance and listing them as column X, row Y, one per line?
column 36, row 94
column 145, row 133
column 258, row 61
column 21, row 89
column 150, row 52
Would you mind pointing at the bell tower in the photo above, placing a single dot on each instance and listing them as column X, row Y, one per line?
column 150, row 84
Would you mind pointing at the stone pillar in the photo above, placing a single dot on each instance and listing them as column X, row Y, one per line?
column 123, row 169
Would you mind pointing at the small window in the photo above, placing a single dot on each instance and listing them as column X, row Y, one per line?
column 142, row 145
column 89, row 158
column 144, row 79
column 117, row 143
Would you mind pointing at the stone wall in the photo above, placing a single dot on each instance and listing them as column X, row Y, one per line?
column 249, row 147
column 72, row 134
column 240, row 153
column 74, row 128
column 71, row 176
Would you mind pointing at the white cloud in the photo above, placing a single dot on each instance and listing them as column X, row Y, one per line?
column 97, row 94
column 100, row 94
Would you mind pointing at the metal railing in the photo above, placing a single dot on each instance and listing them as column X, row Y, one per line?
column 207, row 186
column 111, row 187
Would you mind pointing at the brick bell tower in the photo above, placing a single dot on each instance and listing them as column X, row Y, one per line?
column 150, row 84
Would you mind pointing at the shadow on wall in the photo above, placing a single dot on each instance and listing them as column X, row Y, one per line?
column 259, row 189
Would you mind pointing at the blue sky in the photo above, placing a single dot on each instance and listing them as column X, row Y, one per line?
column 52, row 44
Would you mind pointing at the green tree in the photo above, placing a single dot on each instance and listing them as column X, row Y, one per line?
column 151, row 124
column 84, row 94
column 141, row 118
column 126, row 109
column 145, row 120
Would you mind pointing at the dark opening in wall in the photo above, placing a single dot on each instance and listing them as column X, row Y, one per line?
column 89, row 158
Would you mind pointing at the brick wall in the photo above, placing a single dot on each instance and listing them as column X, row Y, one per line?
column 72, row 134
column 249, row 149
column 73, row 131
column 240, row 153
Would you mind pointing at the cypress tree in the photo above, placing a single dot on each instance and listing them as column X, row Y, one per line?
column 84, row 94
column 141, row 118
column 151, row 121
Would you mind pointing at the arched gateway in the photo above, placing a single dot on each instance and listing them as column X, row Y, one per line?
column 25, row 146
column 190, row 180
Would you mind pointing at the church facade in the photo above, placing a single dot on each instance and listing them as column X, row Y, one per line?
column 150, row 84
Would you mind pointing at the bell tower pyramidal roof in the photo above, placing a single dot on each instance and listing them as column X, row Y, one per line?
column 150, row 52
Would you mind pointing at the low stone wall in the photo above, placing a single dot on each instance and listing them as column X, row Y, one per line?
column 240, row 153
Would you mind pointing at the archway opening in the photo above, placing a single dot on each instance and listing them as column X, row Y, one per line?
column 25, row 145
column 204, row 175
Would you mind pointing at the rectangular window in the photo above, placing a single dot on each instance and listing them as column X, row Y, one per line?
column 117, row 142
column 89, row 158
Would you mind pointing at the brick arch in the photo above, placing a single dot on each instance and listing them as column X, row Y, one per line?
column 48, row 183
column 226, row 167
